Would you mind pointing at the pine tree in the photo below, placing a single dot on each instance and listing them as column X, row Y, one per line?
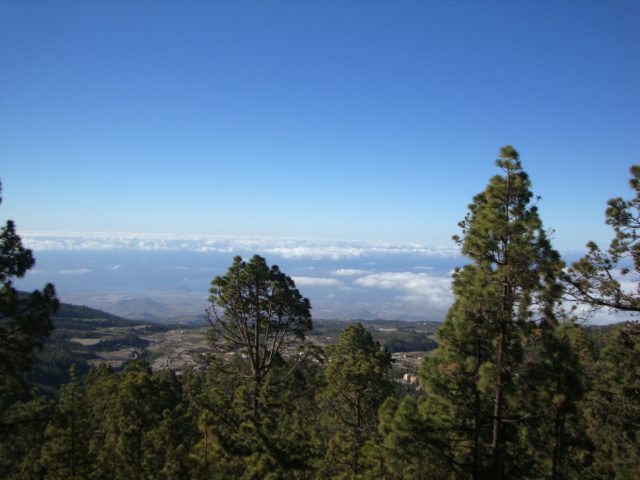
column 410, row 448
column 141, row 425
column 554, row 441
column 596, row 279
column 251, row 419
column 507, row 293
column 614, row 406
column 257, row 311
column 357, row 381
column 25, row 322
column 101, row 384
column 169, row 440
column 221, row 448
column 458, row 407
column 65, row 453
column 21, row 445
column 25, row 319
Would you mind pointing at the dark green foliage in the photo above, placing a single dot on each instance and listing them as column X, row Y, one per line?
column 479, row 382
column 614, row 406
column 25, row 322
column 412, row 447
column 596, row 280
column 232, row 444
column 25, row 319
column 357, row 380
column 253, row 423
column 410, row 342
column 51, row 367
column 219, row 407
column 554, row 440
column 261, row 314
column 459, row 406
column 140, row 425
column 65, row 453
column 20, row 444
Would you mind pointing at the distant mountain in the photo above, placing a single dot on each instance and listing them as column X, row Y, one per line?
column 80, row 317
column 141, row 308
column 72, row 311
column 156, row 309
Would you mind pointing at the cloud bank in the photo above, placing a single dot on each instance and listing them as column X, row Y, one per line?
column 414, row 288
column 283, row 247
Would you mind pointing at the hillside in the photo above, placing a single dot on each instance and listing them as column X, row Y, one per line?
column 68, row 310
column 87, row 337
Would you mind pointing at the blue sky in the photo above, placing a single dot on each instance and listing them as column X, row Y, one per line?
column 369, row 121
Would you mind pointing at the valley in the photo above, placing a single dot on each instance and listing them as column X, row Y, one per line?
column 89, row 337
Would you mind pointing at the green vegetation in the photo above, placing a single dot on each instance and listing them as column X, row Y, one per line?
column 261, row 315
column 515, row 388
column 410, row 342
column 25, row 322
column 596, row 279
column 356, row 382
column 505, row 306
column 82, row 337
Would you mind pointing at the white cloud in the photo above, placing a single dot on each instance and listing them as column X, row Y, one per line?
column 349, row 272
column 316, row 282
column 416, row 288
column 587, row 315
column 289, row 248
column 113, row 268
column 628, row 283
column 351, row 250
column 74, row 271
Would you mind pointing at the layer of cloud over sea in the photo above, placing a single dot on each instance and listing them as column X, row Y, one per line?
column 165, row 276
column 343, row 279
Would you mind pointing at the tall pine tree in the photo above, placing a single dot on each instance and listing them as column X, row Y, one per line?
column 505, row 298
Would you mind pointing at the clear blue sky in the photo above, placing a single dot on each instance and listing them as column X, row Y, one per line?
column 372, row 120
